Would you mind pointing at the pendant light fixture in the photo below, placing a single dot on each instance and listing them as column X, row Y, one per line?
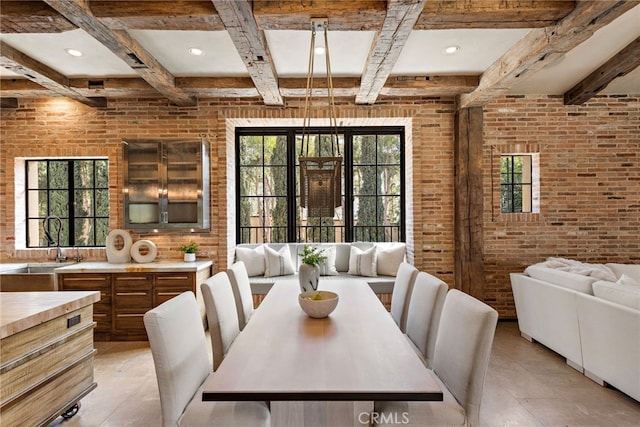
column 320, row 176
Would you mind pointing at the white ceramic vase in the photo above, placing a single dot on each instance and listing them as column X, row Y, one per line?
column 189, row 257
column 308, row 276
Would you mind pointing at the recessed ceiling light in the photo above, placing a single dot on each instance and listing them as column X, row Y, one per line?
column 73, row 52
column 450, row 50
column 195, row 51
column 319, row 50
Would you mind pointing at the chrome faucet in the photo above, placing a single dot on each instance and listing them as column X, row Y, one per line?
column 50, row 240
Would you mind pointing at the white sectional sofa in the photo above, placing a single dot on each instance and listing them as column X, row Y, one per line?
column 380, row 263
column 593, row 323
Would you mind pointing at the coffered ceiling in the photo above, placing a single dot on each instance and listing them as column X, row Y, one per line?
column 260, row 48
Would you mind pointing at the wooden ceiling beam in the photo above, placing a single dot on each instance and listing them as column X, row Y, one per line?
column 386, row 47
column 542, row 46
column 31, row 17
column 37, row 72
column 446, row 14
column 622, row 63
column 158, row 15
column 227, row 87
column 241, row 25
column 353, row 15
column 125, row 47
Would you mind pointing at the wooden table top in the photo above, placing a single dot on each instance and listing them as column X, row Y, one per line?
column 357, row 353
column 22, row 310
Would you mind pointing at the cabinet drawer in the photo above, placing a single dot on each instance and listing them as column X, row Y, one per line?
column 87, row 282
column 103, row 320
column 129, row 322
column 181, row 280
column 140, row 299
column 134, row 281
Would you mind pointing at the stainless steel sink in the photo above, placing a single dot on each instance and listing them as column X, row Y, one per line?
column 33, row 277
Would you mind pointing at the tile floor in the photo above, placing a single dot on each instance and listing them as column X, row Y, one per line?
column 526, row 385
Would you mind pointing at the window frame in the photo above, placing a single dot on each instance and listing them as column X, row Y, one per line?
column 348, row 134
column 511, row 185
column 71, row 189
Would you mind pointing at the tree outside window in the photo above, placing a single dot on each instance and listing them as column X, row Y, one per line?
column 515, row 183
column 268, row 189
column 74, row 190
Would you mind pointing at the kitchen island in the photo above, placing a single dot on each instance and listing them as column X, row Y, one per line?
column 46, row 354
column 129, row 290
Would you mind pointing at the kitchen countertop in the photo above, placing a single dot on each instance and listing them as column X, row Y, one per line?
column 22, row 310
column 132, row 267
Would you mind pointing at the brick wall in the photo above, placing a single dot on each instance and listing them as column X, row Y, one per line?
column 589, row 174
column 589, row 186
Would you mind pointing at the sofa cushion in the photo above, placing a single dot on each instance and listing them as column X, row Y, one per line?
column 631, row 270
column 278, row 263
column 627, row 295
column 362, row 263
column 389, row 258
column 627, row 280
column 565, row 279
column 253, row 259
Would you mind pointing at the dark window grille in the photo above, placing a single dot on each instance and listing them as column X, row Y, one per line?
column 516, row 183
column 74, row 190
column 268, row 190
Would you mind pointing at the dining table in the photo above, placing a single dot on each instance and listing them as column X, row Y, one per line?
column 357, row 353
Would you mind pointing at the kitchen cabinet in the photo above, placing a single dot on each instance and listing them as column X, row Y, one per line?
column 166, row 184
column 100, row 282
column 129, row 290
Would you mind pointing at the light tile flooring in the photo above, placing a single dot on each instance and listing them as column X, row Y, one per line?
column 526, row 385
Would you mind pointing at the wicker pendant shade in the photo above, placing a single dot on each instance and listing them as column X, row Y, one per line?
column 320, row 177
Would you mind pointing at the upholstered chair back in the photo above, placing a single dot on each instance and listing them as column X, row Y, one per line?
column 463, row 347
column 222, row 315
column 423, row 315
column 401, row 293
column 179, row 348
column 241, row 291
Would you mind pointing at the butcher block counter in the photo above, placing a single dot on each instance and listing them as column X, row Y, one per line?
column 46, row 355
column 129, row 290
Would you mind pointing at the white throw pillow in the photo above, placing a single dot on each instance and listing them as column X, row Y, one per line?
column 627, row 280
column 328, row 267
column 362, row 263
column 253, row 259
column 388, row 259
column 277, row 263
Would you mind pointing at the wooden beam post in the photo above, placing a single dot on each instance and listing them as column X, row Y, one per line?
column 468, row 189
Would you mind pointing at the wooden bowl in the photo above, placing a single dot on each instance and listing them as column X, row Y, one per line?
column 318, row 304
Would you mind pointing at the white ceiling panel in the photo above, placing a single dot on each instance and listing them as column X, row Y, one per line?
column 348, row 52
column 562, row 74
column 423, row 52
column 170, row 48
column 49, row 49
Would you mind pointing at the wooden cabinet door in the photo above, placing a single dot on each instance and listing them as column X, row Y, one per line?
column 168, row 285
column 132, row 298
column 92, row 282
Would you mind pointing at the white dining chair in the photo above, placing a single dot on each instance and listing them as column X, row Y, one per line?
column 179, row 349
column 222, row 316
column 460, row 361
column 401, row 293
column 241, row 291
column 423, row 314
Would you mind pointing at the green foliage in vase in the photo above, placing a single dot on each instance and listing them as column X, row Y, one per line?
column 312, row 255
column 189, row 248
